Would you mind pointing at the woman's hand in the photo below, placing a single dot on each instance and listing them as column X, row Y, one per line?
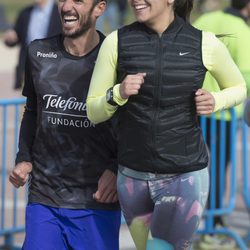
column 131, row 85
column 205, row 102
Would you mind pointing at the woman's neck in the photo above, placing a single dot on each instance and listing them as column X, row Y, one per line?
column 161, row 23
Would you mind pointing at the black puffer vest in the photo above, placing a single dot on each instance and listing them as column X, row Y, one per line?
column 158, row 128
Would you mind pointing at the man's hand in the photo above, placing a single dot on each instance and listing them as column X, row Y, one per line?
column 204, row 101
column 106, row 192
column 20, row 174
column 131, row 85
column 10, row 37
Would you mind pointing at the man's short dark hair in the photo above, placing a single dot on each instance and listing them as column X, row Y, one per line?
column 239, row 4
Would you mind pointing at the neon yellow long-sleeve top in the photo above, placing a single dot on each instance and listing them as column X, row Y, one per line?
column 216, row 59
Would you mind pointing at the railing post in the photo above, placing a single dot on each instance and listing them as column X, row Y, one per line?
column 8, row 242
column 209, row 214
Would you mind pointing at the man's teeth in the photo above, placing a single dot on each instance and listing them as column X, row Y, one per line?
column 70, row 19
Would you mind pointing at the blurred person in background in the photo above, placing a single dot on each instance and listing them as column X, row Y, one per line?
column 123, row 6
column 70, row 163
column 208, row 5
column 109, row 20
column 36, row 21
column 3, row 22
column 231, row 26
column 114, row 17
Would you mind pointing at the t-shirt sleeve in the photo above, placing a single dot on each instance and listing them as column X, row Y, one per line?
column 28, row 88
column 103, row 78
column 28, row 124
column 221, row 66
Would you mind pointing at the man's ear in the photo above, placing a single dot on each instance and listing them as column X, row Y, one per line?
column 100, row 8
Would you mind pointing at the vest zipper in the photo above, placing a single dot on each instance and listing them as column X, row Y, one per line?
column 156, row 102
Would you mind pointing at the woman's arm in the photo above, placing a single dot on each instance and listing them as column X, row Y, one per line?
column 104, row 78
column 219, row 63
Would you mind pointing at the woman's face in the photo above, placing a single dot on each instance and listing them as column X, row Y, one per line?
column 151, row 11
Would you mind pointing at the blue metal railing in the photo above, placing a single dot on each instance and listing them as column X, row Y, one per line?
column 8, row 232
column 224, row 209
column 245, row 172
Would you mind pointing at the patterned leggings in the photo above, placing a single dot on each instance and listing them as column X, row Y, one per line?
column 163, row 214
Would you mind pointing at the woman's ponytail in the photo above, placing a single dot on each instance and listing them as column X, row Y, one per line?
column 183, row 8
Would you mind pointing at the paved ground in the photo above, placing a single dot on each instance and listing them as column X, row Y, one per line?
column 238, row 220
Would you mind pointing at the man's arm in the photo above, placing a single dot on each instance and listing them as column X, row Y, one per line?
column 106, row 192
column 20, row 173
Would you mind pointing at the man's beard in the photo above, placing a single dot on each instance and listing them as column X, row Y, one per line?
column 82, row 30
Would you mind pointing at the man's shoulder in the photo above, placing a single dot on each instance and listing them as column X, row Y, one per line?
column 48, row 41
column 101, row 36
column 44, row 46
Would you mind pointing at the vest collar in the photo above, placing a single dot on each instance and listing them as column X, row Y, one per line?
column 174, row 27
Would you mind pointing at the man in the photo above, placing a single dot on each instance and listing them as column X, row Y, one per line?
column 231, row 26
column 39, row 20
column 72, row 162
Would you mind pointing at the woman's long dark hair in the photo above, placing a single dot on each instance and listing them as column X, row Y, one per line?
column 183, row 8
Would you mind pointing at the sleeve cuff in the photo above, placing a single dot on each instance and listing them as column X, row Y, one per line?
column 117, row 97
column 113, row 167
column 219, row 101
column 22, row 157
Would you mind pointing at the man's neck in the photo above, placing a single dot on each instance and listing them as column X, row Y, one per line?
column 42, row 4
column 82, row 45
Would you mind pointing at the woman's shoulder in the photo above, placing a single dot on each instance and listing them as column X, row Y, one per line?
column 212, row 49
column 111, row 39
column 211, row 40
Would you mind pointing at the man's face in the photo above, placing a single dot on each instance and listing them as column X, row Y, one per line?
column 76, row 16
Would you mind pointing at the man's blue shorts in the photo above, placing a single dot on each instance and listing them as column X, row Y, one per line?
column 49, row 228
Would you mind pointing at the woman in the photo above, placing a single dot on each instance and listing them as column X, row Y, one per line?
column 150, row 73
